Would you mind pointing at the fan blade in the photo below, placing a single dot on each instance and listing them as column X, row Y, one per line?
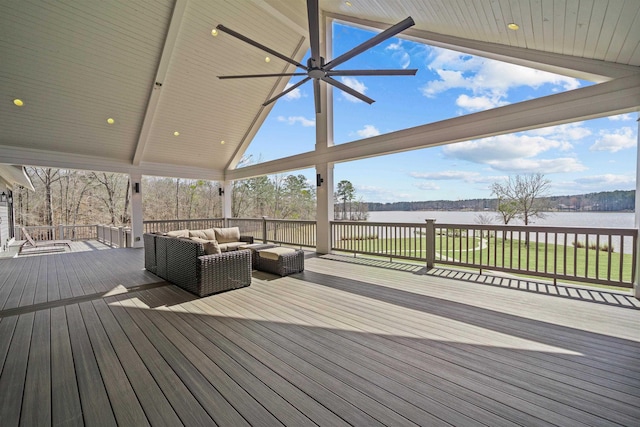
column 314, row 30
column 317, row 95
column 247, row 76
column 349, row 90
column 283, row 93
column 410, row 72
column 259, row 46
column 386, row 34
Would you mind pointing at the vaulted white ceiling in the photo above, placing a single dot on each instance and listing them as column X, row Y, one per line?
column 152, row 67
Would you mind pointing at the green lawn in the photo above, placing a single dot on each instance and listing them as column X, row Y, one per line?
column 504, row 253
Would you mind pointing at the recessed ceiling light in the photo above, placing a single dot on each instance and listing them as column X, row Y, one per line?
column 110, row 121
column 176, row 133
column 214, row 32
column 267, row 59
column 18, row 102
column 513, row 26
column 222, row 142
column 348, row 3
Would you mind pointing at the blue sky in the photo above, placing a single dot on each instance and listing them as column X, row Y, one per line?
column 583, row 157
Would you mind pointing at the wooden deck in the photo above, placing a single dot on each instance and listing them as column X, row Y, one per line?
column 91, row 338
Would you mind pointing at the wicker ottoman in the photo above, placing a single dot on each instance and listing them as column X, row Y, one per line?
column 281, row 261
column 255, row 247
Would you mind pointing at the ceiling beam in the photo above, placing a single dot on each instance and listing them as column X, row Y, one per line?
column 601, row 100
column 161, row 73
column 53, row 159
column 263, row 112
column 581, row 68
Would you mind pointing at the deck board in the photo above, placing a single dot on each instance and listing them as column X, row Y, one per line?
column 12, row 380
column 92, row 338
column 66, row 408
column 96, row 407
column 36, row 404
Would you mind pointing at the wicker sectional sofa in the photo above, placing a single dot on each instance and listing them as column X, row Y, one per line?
column 185, row 263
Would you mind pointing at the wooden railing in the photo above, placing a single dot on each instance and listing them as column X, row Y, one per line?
column 164, row 225
column 596, row 255
column 116, row 237
column 393, row 240
column 602, row 255
column 282, row 231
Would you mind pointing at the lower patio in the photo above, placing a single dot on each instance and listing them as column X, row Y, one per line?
column 92, row 338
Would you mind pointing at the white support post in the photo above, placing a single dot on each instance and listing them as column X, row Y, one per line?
column 636, row 282
column 227, row 197
column 324, row 139
column 137, row 226
column 324, row 207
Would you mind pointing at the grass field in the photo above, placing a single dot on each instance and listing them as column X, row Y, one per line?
column 511, row 254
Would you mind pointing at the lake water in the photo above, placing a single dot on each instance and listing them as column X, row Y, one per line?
column 571, row 219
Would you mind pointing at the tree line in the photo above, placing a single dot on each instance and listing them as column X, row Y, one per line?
column 74, row 197
column 605, row 201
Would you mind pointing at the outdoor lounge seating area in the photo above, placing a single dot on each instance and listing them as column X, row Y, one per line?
column 210, row 261
column 198, row 265
column 346, row 342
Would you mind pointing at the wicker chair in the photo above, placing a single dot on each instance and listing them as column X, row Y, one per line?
column 183, row 262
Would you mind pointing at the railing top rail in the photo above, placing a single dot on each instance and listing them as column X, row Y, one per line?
column 368, row 223
column 155, row 221
column 306, row 221
column 539, row 228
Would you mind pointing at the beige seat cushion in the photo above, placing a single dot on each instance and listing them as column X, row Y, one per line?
column 211, row 247
column 226, row 235
column 178, row 233
column 200, row 234
column 207, row 234
column 274, row 253
column 231, row 246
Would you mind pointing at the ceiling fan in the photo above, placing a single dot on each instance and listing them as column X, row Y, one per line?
column 316, row 69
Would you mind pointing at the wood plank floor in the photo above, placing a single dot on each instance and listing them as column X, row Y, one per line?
column 92, row 339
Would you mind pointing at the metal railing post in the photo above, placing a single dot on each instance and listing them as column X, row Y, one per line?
column 431, row 242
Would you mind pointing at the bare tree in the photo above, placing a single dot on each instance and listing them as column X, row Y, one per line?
column 508, row 209
column 522, row 196
column 47, row 177
column 112, row 183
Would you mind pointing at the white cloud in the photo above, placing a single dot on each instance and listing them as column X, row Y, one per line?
column 370, row 193
column 368, row 131
column 292, row 120
column 615, row 141
column 294, row 94
column 570, row 131
column 446, row 175
column 486, row 78
column 400, row 54
column 608, row 180
column 558, row 165
column 454, row 175
column 621, row 117
column 515, row 153
column 478, row 103
column 429, row 186
column 354, row 84
column 501, row 148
